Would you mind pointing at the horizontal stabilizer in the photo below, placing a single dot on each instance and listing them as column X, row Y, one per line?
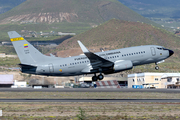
column 30, row 69
column 24, row 65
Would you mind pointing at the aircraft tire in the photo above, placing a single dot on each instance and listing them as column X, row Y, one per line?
column 94, row 78
column 157, row 68
column 100, row 77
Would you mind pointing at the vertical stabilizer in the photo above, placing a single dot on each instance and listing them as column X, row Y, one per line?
column 26, row 52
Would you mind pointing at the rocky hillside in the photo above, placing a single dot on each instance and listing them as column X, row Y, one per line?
column 116, row 34
column 55, row 11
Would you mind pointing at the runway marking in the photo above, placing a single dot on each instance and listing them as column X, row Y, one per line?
column 93, row 100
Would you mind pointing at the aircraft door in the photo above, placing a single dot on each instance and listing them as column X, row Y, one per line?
column 51, row 68
column 153, row 52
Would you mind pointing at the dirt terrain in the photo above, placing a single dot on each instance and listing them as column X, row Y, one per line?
column 89, row 111
column 71, row 110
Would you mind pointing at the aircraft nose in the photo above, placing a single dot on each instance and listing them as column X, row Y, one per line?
column 171, row 52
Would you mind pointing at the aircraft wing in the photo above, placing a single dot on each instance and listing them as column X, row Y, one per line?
column 96, row 61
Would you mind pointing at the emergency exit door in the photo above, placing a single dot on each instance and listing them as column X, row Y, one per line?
column 51, row 68
column 153, row 52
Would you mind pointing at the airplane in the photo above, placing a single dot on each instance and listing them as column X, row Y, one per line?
column 106, row 62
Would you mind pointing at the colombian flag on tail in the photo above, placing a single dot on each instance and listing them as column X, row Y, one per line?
column 25, row 45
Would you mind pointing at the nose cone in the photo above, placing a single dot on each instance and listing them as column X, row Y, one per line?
column 170, row 53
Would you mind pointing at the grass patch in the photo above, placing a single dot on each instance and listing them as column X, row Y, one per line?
column 88, row 95
column 90, row 111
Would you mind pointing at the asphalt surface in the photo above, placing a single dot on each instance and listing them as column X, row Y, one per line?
column 88, row 90
column 93, row 100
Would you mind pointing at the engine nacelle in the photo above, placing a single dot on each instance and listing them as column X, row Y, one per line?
column 122, row 65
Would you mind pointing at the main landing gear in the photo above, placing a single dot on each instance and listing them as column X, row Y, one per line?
column 99, row 77
column 157, row 68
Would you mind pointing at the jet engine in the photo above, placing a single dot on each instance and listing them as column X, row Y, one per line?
column 122, row 65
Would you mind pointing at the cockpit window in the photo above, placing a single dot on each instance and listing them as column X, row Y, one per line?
column 165, row 49
column 161, row 48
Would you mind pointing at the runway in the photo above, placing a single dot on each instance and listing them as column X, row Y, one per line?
column 93, row 100
column 88, row 90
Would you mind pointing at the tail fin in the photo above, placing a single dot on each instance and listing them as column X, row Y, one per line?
column 26, row 52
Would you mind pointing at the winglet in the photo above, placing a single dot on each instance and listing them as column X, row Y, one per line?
column 84, row 49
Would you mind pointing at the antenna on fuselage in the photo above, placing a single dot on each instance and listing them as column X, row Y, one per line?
column 101, row 49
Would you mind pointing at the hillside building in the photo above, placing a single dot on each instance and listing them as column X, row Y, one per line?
column 154, row 80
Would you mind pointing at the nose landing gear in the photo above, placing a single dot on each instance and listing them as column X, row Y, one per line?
column 157, row 68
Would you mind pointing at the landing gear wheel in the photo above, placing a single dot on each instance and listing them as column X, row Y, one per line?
column 157, row 68
column 100, row 77
column 94, row 78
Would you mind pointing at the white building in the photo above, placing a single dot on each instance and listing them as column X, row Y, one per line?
column 157, row 80
column 19, row 84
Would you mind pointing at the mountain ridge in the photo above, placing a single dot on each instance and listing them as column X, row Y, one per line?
column 7, row 5
column 94, row 11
